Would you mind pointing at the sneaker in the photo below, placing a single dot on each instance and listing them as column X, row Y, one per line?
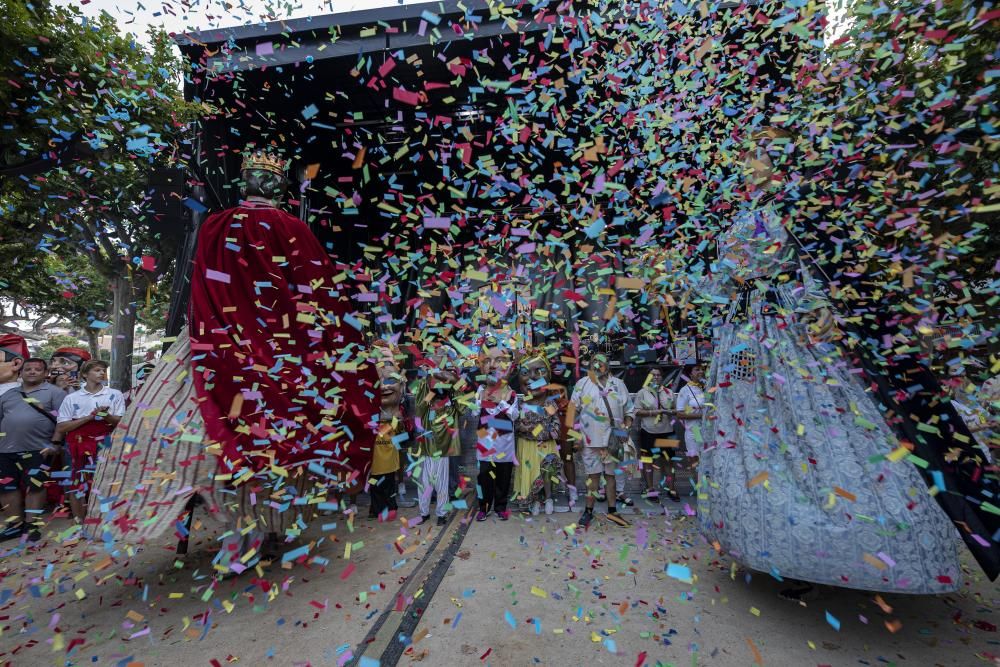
column 425, row 518
column 586, row 518
column 651, row 494
column 673, row 496
column 550, row 507
column 536, row 508
column 615, row 517
column 405, row 502
column 34, row 535
column 625, row 500
column 571, row 490
column 442, row 521
column 481, row 515
column 504, row 515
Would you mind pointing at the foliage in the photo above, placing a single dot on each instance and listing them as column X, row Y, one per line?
column 115, row 106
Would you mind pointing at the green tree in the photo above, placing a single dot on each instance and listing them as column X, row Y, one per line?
column 101, row 112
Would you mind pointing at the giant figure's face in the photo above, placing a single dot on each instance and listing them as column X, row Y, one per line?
column 496, row 364
column 63, row 372
column 443, row 374
column 390, row 378
column 534, row 375
column 10, row 367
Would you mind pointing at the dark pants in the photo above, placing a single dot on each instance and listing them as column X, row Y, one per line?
column 383, row 493
column 454, row 462
column 494, row 482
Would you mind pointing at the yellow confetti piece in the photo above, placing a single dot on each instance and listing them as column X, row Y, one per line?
column 535, row 590
column 80, row 594
column 755, row 611
column 898, row 454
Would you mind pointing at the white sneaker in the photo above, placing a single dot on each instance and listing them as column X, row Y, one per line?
column 536, row 509
column 549, row 506
column 572, row 496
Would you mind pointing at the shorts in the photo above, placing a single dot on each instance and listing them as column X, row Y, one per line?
column 596, row 461
column 647, row 443
column 23, row 469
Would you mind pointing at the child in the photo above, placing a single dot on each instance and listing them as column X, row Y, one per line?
column 392, row 434
column 86, row 418
column 498, row 410
column 437, row 424
column 538, row 432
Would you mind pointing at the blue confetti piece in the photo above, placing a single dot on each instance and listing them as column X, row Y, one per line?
column 833, row 621
column 681, row 572
column 194, row 205
column 294, row 553
column 368, row 662
column 310, row 111
column 509, row 617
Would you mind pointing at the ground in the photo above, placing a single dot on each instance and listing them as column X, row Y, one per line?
column 532, row 590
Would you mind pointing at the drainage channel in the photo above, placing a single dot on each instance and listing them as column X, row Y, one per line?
column 390, row 634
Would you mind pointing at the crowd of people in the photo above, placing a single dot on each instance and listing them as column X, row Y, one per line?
column 276, row 402
column 526, row 441
column 54, row 415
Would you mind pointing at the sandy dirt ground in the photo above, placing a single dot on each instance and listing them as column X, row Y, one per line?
column 529, row 591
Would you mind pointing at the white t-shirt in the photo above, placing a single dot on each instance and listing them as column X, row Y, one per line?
column 649, row 399
column 7, row 386
column 593, row 413
column 691, row 398
column 82, row 403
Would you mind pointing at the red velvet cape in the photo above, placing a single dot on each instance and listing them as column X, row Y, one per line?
column 275, row 348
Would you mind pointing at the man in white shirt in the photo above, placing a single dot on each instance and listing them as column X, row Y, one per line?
column 86, row 418
column 594, row 397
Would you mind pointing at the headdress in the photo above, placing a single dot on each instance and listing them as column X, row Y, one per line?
column 77, row 354
column 14, row 345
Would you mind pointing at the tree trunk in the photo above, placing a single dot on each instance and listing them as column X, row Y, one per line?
column 95, row 348
column 123, row 330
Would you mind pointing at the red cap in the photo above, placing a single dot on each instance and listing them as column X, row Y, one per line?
column 14, row 344
column 77, row 354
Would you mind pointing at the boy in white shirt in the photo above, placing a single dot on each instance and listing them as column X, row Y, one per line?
column 87, row 417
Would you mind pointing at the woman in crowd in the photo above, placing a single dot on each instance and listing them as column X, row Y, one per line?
column 654, row 405
column 691, row 410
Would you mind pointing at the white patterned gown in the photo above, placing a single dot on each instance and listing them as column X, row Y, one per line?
column 795, row 477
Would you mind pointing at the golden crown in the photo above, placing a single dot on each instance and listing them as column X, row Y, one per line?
column 264, row 162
